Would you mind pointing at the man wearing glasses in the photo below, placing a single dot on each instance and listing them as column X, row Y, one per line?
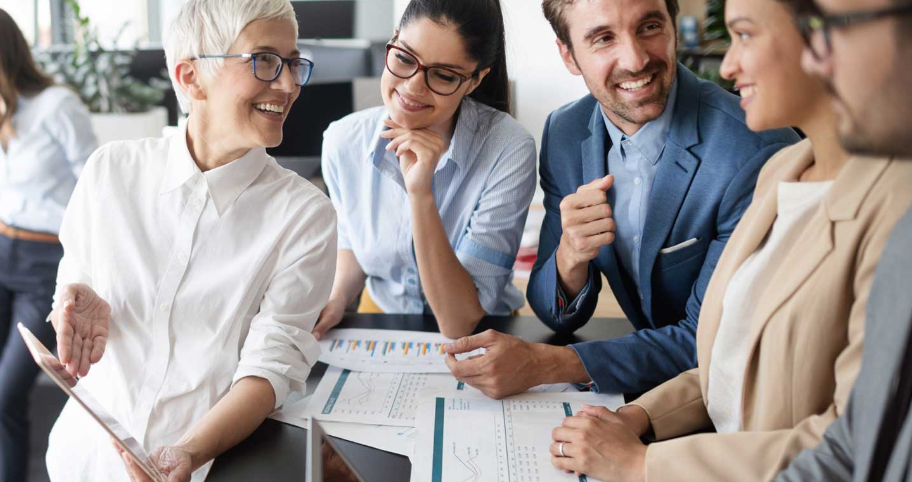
column 862, row 49
column 644, row 182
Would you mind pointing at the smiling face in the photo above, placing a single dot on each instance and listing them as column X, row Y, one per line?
column 249, row 112
column 625, row 51
column 764, row 61
column 410, row 102
column 869, row 74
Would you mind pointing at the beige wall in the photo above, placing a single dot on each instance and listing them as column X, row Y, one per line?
column 697, row 8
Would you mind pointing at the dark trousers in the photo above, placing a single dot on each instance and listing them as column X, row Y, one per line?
column 28, row 272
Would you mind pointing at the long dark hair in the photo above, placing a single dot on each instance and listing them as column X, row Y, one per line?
column 18, row 72
column 481, row 26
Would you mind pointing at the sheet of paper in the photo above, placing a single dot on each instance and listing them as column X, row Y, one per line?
column 384, row 398
column 292, row 411
column 463, row 437
column 398, row 440
column 386, row 351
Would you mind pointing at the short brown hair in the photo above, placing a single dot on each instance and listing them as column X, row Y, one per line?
column 18, row 72
column 554, row 12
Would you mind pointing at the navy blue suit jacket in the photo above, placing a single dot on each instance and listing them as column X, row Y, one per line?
column 704, row 183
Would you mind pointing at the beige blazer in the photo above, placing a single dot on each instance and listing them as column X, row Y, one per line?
column 806, row 335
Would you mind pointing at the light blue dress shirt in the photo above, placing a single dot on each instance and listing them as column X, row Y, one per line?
column 483, row 186
column 39, row 168
column 634, row 162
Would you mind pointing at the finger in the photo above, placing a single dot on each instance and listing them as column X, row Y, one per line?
column 391, row 124
column 84, row 362
column 600, row 184
column 564, row 434
column 597, row 212
column 595, row 228
column 392, row 133
column 76, row 356
column 463, row 369
column 598, row 411
column 569, row 464
column 65, row 335
column 569, row 449
column 582, row 200
column 98, row 348
column 473, row 342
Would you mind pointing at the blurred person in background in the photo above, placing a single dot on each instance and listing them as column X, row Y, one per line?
column 45, row 139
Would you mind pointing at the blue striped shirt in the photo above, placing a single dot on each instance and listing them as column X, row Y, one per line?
column 483, row 186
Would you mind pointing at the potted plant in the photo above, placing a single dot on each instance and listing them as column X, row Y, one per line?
column 122, row 107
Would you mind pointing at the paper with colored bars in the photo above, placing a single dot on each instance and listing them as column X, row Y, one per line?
column 466, row 438
column 385, row 351
column 384, row 398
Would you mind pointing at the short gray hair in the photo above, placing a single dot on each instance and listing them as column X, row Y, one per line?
column 211, row 27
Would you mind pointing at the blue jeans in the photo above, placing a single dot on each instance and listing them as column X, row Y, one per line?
column 28, row 272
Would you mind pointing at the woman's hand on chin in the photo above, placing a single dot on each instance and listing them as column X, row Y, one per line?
column 419, row 151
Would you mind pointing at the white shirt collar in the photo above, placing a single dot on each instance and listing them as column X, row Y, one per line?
column 224, row 183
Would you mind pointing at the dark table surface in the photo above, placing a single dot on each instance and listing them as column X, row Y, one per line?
column 276, row 451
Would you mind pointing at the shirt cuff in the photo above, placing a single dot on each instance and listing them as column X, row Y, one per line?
column 279, row 384
column 567, row 309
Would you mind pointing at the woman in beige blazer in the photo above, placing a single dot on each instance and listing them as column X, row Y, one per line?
column 780, row 334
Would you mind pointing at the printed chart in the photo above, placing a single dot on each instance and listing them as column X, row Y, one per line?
column 471, row 438
column 384, row 351
column 383, row 398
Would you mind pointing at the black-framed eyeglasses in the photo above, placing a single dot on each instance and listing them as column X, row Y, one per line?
column 816, row 28
column 268, row 66
column 440, row 80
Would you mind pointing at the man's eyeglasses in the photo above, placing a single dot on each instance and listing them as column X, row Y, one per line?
column 440, row 80
column 816, row 28
column 268, row 66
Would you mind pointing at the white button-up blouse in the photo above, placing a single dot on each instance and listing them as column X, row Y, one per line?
column 39, row 168
column 211, row 277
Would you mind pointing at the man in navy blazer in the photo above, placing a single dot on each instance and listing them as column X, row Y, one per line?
column 645, row 179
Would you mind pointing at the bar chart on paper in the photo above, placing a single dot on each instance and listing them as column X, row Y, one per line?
column 474, row 439
column 384, row 351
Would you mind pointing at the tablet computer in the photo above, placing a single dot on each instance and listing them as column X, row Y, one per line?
column 69, row 384
column 322, row 449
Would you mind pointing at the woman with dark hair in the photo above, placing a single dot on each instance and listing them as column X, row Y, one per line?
column 432, row 189
column 781, row 328
column 45, row 139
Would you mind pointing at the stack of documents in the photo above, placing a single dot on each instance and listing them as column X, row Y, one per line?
column 379, row 380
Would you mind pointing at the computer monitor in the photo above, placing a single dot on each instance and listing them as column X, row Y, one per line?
column 325, row 19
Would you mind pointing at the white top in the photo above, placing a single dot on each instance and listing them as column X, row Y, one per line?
column 39, row 167
column 797, row 203
column 211, row 277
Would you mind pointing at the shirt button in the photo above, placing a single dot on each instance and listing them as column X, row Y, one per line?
column 164, row 307
column 636, row 239
column 637, row 181
column 197, row 203
column 628, row 144
column 183, row 258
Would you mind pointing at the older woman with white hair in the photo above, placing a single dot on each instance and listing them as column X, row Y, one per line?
column 194, row 266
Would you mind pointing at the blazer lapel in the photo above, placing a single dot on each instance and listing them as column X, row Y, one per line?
column 751, row 231
column 841, row 203
column 677, row 168
column 594, row 155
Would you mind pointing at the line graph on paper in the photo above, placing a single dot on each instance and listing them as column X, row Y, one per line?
column 382, row 398
column 466, row 456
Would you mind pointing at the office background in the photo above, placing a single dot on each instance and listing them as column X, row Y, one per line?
column 346, row 40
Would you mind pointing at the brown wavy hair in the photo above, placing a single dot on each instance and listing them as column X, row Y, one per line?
column 18, row 72
column 554, row 12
